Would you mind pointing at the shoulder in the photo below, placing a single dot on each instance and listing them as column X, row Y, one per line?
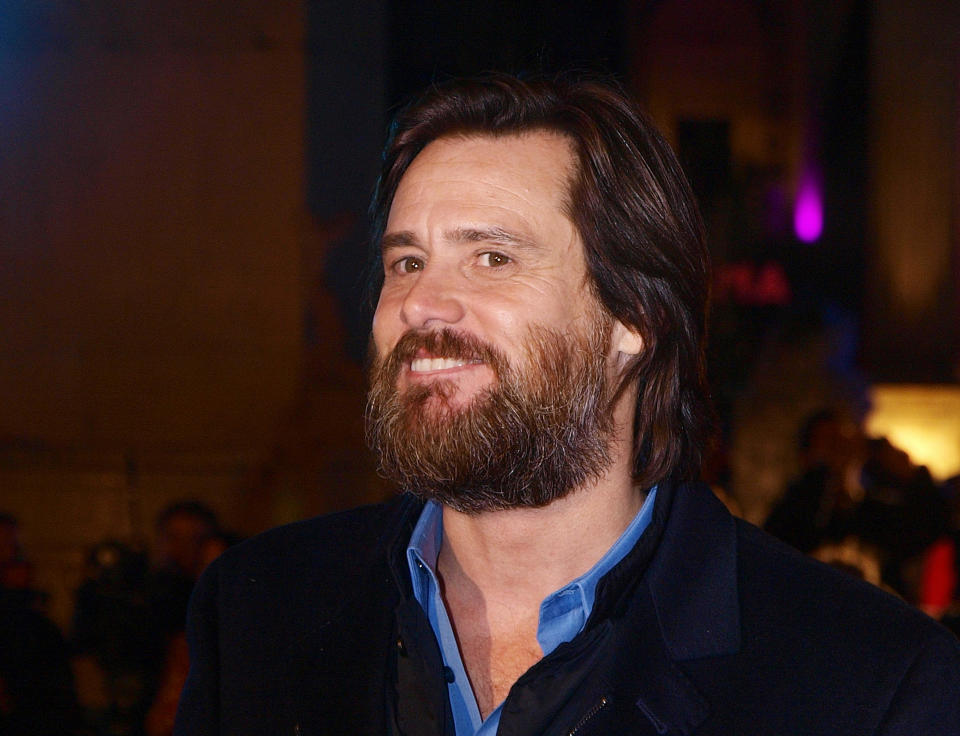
column 342, row 535
column 775, row 578
column 321, row 558
column 815, row 649
column 826, row 626
column 290, row 614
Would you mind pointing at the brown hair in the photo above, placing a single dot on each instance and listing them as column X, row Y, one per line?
column 639, row 224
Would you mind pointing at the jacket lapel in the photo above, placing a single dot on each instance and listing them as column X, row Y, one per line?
column 685, row 607
column 649, row 678
column 693, row 577
column 673, row 599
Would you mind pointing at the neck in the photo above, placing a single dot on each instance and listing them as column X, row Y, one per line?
column 522, row 555
column 560, row 542
column 496, row 567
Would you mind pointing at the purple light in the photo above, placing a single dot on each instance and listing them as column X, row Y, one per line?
column 808, row 211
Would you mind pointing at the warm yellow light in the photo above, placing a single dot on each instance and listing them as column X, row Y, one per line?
column 923, row 420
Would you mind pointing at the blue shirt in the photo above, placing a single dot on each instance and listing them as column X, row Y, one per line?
column 563, row 613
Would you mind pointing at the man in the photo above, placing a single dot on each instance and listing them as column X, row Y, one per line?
column 184, row 529
column 538, row 391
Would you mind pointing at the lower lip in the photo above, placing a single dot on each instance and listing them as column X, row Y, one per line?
column 443, row 371
column 465, row 381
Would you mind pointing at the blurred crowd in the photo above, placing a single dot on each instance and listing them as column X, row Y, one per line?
column 860, row 504
column 120, row 669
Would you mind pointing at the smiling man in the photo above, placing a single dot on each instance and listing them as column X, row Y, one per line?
column 538, row 394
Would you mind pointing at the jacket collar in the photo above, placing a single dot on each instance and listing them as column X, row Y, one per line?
column 693, row 577
column 674, row 598
column 647, row 674
column 687, row 556
column 397, row 536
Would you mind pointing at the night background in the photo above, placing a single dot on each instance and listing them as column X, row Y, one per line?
column 183, row 203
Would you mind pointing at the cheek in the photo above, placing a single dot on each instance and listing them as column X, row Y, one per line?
column 557, row 311
column 386, row 320
column 504, row 318
column 383, row 329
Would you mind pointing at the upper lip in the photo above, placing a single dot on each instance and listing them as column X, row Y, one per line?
column 424, row 353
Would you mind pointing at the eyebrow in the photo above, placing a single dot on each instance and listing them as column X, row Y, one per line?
column 404, row 238
column 397, row 240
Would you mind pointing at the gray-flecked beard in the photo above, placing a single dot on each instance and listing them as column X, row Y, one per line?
column 538, row 433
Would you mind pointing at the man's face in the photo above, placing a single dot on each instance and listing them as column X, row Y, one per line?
column 477, row 241
column 490, row 350
column 179, row 543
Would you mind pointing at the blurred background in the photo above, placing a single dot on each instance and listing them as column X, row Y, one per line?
column 183, row 194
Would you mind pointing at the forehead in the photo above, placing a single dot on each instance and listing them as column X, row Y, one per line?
column 524, row 177
column 550, row 154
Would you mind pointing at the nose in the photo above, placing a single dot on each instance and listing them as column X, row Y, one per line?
column 433, row 300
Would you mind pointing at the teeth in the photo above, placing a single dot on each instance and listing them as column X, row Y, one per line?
column 422, row 365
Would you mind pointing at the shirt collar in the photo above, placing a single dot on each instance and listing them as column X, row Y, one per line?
column 564, row 612
column 423, row 549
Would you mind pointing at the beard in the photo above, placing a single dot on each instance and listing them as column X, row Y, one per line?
column 536, row 434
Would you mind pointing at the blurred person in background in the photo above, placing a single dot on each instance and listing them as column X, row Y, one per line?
column 831, row 451
column 16, row 571
column 858, row 498
column 130, row 613
column 36, row 684
column 183, row 530
column 116, row 643
column 163, row 710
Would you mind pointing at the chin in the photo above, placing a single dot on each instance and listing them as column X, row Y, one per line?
column 453, row 393
column 440, row 405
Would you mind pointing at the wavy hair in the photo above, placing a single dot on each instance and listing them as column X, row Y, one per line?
column 640, row 227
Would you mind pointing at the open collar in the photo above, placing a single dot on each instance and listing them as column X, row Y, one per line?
column 688, row 557
column 674, row 598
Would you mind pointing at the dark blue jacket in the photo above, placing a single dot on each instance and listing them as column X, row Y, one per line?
column 708, row 626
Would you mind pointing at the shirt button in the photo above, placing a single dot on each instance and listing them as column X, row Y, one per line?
column 401, row 647
column 448, row 674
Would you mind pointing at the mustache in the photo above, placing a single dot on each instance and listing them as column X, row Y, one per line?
column 445, row 343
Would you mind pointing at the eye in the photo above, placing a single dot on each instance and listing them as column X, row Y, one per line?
column 408, row 264
column 493, row 259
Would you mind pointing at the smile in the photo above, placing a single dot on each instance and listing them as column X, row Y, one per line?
column 425, row 365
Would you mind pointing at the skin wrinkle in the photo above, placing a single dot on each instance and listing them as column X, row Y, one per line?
column 541, row 283
column 492, row 235
column 463, row 235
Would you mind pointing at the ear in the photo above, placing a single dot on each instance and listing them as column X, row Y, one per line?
column 625, row 339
